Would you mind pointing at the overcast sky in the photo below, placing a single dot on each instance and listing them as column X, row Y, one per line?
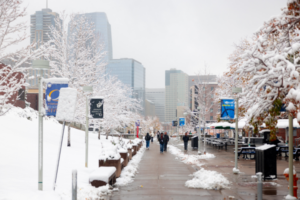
column 181, row 34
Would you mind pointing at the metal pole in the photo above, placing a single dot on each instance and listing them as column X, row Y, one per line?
column 87, row 133
column 74, row 185
column 204, row 126
column 259, row 185
column 199, row 141
column 291, row 138
column 236, row 132
column 40, row 138
column 59, row 152
column 249, row 137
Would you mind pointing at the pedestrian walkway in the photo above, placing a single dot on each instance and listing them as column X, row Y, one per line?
column 161, row 177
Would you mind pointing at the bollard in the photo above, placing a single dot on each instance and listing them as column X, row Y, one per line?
column 74, row 185
column 259, row 185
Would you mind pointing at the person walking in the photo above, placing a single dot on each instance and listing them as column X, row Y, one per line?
column 166, row 140
column 185, row 141
column 152, row 136
column 147, row 138
column 158, row 135
column 161, row 142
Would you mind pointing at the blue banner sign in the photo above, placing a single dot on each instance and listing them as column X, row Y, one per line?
column 52, row 95
column 181, row 121
column 227, row 109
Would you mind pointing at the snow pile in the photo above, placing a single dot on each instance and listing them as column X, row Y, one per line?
column 207, row 179
column 110, row 151
column 131, row 169
column 189, row 159
column 287, row 171
column 289, row 197
column 66, row 104
column 16, row 129
column 102, row 174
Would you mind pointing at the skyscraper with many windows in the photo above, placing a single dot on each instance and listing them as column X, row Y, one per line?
column 176, row 94
column 103, row 30
column 40, row 23
column 131, row 73
column 157, row 96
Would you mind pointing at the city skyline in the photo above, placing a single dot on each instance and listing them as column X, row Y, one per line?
column 185, row 48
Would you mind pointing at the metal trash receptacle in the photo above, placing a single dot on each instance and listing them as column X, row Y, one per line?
column 265, row 161
column 194, row 142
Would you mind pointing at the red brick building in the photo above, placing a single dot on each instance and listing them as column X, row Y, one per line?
column 20, row 92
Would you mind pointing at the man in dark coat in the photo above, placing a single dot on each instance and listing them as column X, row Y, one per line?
column 147, row 138
column 166, row 140
column 161, row 142
column 185, row 141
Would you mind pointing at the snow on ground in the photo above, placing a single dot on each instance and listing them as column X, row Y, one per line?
column 131, row 169
column 19, row 159
column 204, row 179
column 189, row 159
column 207, row 179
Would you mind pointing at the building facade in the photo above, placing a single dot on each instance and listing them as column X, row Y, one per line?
column 176, row 94
column 206, row 95
column 103, row 31
column 133, row 74
column 157, row 96
column 149, row 108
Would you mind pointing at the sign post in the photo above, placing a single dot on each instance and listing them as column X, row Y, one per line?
column 137, row 124
column 236, row 90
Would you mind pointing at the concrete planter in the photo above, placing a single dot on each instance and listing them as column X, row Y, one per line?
column 114, row 163
column 135, row 149
column 126, row 158
column 130, row 153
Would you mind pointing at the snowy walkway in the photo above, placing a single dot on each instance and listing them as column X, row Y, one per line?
column 161, row 176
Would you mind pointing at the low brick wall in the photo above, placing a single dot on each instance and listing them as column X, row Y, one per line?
column 113, row 163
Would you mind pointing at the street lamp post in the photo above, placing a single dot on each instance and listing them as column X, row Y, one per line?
column 87, row 90
column 236, row 90
column 199, row 131
column 40, row 65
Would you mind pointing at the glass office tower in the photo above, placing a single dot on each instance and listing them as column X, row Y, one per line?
column 157, row 96
column 103, row 29
column 131, row 73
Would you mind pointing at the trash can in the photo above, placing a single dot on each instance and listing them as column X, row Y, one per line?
column 194, row 142
column 218, row 135
column 265, row 161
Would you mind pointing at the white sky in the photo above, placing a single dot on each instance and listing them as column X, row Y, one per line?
column 182, row 34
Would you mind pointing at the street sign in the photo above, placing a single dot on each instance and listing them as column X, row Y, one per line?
column 181, row 121
column 227, row 109
column 137, row 123
column 237, row 90
column 52, row 95
column 96, row 109
column 174, row 123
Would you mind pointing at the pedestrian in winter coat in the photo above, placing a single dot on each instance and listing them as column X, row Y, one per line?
column 166, row 140
column 185, row 141
column 152, row 135
column 161, row 142
column 147, row 138
column 158, row 135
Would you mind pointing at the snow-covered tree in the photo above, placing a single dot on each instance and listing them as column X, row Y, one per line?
column 12, row 33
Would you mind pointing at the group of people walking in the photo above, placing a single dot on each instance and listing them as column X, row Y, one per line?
column 162, row 138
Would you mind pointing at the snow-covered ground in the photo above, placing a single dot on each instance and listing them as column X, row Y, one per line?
column 204, row 179
column 19, row 159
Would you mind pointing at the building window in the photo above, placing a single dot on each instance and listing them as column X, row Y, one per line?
column 211, row 118
column 212, row 88
column 211, row 110
column 21, row 94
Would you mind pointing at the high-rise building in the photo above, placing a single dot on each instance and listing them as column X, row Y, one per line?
column 103, row 30
column 157, row 96
column 195, row 79
column 177, row 92
column 149, row 108
column 40, row 23
column 133, row 74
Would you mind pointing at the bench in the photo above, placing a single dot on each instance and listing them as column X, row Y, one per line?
column 246, row 151
column 103, row 176
column 296, row 152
